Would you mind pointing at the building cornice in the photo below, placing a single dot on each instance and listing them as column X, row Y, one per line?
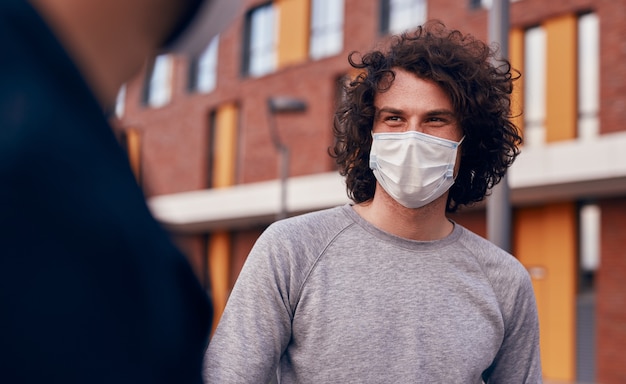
column 569, row 170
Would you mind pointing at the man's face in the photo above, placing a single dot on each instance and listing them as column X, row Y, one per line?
column 415, row 104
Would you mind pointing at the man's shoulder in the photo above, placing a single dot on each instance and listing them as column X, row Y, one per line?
column 475, row 240
column 310, row 230
column 314, row 223
column 493, row 259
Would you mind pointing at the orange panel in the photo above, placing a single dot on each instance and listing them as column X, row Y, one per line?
column 133, row 146
column 545, row 242
column 219, row 261
column 225, row 146
column 516, row 57
column 561, row 100
column 293, row 33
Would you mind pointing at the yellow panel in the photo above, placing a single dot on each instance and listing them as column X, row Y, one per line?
column 516, row 57
column 225, row 146
column 293, row 32
column 219, row 256
column 133, row 146
column 545, row 242
column 561, row 115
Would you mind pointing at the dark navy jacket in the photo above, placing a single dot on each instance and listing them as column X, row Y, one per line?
column 91, row 288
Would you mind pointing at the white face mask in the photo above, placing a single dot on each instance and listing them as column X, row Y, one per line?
column 413, row 167
column 211, row 18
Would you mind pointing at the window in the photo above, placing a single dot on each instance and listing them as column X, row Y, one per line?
column 590, row 230
column 556, row 106
column 326, row 28
column 484, row 3
column 589, row 262
column 204, row 68
column 158, row 90
column 534, row 87
column 400, row 15
column 260, row 44
column 119, row 102
column 589, row 238
column 588, row 76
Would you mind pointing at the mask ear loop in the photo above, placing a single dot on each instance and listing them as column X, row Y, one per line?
column 456, row 155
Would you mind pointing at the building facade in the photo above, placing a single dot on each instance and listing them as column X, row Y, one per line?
column 226, row 143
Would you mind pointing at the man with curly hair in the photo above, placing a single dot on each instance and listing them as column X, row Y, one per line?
column 388, row 289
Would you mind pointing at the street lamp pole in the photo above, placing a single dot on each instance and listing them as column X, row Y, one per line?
column 498, row 203
column 277, row 105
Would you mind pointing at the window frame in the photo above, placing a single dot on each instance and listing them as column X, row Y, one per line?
column 158, row 85
column 323, row 34
column 387, row 12
column 205, row 67
column 588, row 76
column 248, row 51
column 535, row 92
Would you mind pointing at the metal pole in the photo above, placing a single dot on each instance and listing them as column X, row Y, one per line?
column 283, row 164
column 498, row 203
column 284, row 173
column 282, row 104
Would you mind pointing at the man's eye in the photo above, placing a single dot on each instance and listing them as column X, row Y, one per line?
column 438, row 120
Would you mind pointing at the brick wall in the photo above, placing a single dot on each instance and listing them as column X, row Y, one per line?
column 612, row 69
column 243, row 241
column 611, row 294
column 474, row 219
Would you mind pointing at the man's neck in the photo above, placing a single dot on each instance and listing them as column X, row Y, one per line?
column 424, row 224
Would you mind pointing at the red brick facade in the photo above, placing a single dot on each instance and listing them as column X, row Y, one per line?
column 175, row 139
column 611, row 291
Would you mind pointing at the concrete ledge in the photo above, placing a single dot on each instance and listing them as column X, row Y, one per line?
column 570, row 170
column 246, row 205
column 576, row 169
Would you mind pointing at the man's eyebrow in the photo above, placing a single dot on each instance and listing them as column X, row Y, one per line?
column 440, row 112
column 433, row 113
column 390, row 110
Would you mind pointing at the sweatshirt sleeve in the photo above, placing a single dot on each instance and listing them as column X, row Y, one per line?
column 518, row 360
column 255, row 327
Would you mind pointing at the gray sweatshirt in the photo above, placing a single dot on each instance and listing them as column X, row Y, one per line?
column 328, row 298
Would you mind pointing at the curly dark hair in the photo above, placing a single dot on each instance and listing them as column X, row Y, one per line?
column 480, row 93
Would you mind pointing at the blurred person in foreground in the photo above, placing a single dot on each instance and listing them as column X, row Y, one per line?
column 91, row 288
column 388, row 289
